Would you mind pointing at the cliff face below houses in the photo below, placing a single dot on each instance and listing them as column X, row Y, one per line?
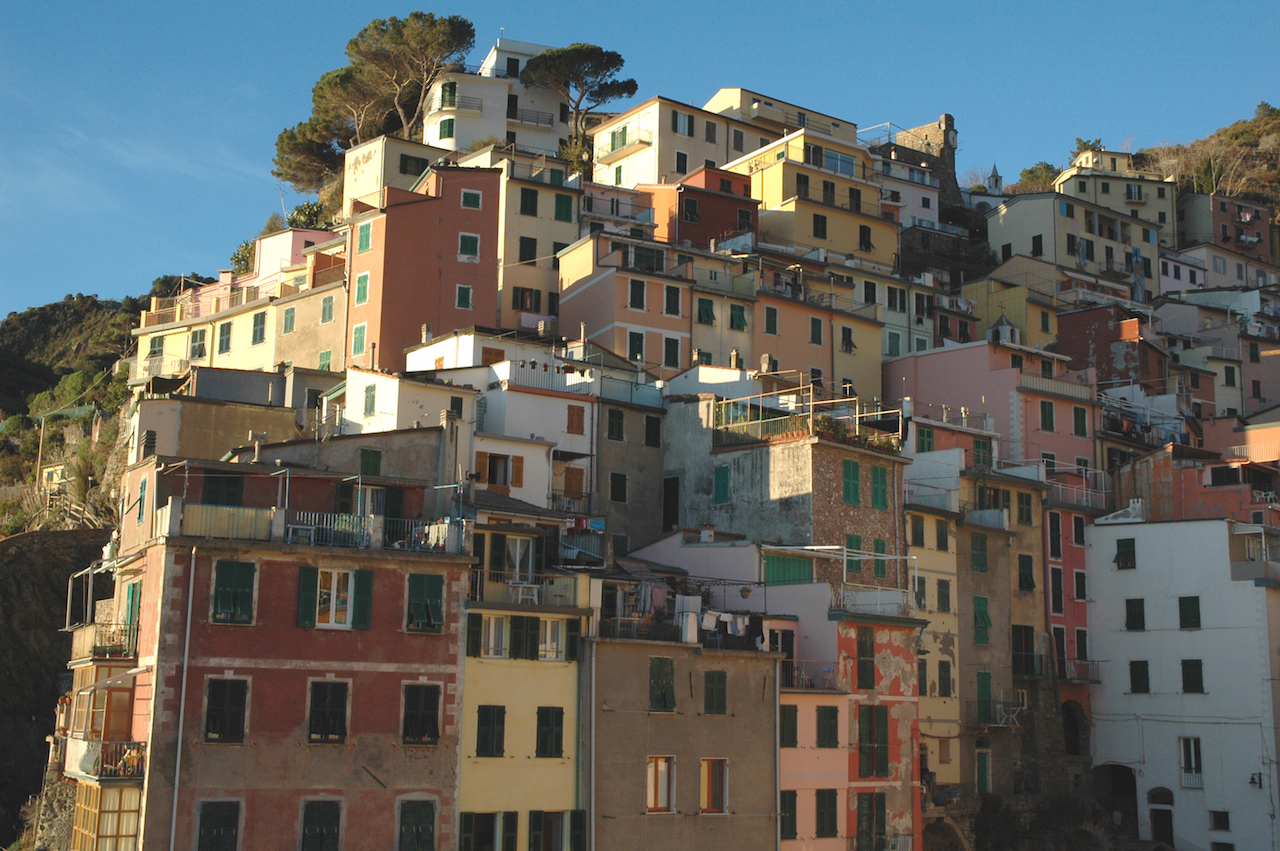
column 34, row 568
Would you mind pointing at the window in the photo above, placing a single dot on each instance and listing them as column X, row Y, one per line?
column 446, row 128
column 940, row 534
column 978, row 552
column 327, row 723
column 1046, row 415
column 788, row 725
column 528, row 250
column 671, row 352
column 662, row 688
column 1219, row 820
column 425, row 603
column 981, row 621
column 1082, row 586
column 233, row 588
column 737, row 317
column 706, row 312
column 944, row 679
column 653, row 431
column 417, row 826
column 468, row 245
column 738, row 140
column 615, row 418
column 364, row 239
column 682, row 162
column 879, row 488
column 866, row 657
column 828, row 727
column 1026, row 573
column 720, row 485
column 878, row 546
column 219, row 826
column 982, row 452
column 635, row 299
column 1192, row 676
column 617, row 487
column 826, row 803
column 917, row 530
column 321, row 825
column 815, row 330
column 549, row 742
column 1126, row 554
column 873, row 741
column 490, row 634
column 1139, row 677
column 924, row 439
column 897, row 299
column 671, row 301
column 787, row 816
column 1024, row 509
column 1189, row 760
column 713, row 785
column 224, row 714
column 564, row 208
column 259, row 327
column 944, row 595
column 714, row 695
column 852, row 482
column 421, row 724
column 691, row 210
column 491, row 722
column 1256, row 389
column 1135, row 614
column 819, row 226
column 362, row 288
column 1056, row 595
column 1188, row 613
column 661, row 779
column 197, row 348
column 771, row 320
column 323, row 363
column 471, row 199
column 334, row 599
column 528, row 202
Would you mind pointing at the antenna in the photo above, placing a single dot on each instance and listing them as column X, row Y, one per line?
column 280, row 189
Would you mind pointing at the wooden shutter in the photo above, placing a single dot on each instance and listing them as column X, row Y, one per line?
column 308, row 588
column 866, row 760
column 417, row 825
column 516, row 650
column 510, row 825
column 577, row 830
column 882, row 741
column 482, row 467
column 573, row 481
column 362, row 600
column 475, row 629
column 577, row 419
column 517, row 471
column 535, row 830
column 572, row 637
column 531, row 629
column 852, row 483
column 788, row 718
column 866, row 819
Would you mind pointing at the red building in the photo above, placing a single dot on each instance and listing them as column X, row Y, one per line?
column 708, row 204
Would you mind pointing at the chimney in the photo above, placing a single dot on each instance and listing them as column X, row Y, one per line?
column 707, row 534
column 426, row 333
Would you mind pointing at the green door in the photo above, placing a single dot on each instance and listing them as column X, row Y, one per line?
column 984, row 697
column 984, row 771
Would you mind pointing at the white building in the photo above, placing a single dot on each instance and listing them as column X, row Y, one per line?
column 1184, row 736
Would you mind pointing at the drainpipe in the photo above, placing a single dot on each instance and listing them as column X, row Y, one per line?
column 777, row 763
column 591, row 715
column 182, row 699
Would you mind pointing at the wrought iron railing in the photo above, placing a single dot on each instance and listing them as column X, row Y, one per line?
column 809, row 674
column 994, row 713
column 639, row 629
column 535, row 589
column 104, row 640
column 328, row 529
column 453, row 536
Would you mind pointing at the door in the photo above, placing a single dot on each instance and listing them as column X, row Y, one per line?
column 670, row 502
column 1162, row 826
column 984, row 772
column 984, row 698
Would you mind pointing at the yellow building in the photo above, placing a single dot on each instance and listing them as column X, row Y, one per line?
column 823, row 193
column 519, row 771
column 777, row 115
column 1111, row 179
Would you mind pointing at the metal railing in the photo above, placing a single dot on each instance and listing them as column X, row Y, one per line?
column 1040, row 384
column 1192, row 780
column 453, row 536
column 640, row 629
column 1079, row 495
column 994, row 713
column 535, row 589
column 748, row 420
column 809, row 674
column 621, row 139
column 104, row 640
column 871, row 599
column 225, row 521
column 630, row 391
column 159, row 366
column 328, row 529
column 105, row 760
column 476, row 70
column 1029, row 666
column 457, row 102
column 1082, row 671
column 531, row 116
column 944, row 227
column 1263, row 452
column 572, row 502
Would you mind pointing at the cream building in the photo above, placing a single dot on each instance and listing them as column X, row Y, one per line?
column 1111, row 179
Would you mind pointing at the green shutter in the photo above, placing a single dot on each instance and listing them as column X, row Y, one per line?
column 981, row 621
column 466, row 831
column 881, row 568
column 662, row 689
column 308, row 588
column 853, row 564
column 882, row 741
column 531, row 629
column 417, row 825
column 866, row 756
column 1188, row 612
column 564, row 208
column 721, row 493
column 1026, row 573
column 425, row 603
column 516, row 650
column 572, row 638
column 475, row 630
column 879, row 488
column 852, row 483
column 788, row 720
column 510, row 825
column 714, row 698
column 577, row 830
column 362, row 600
column 366, row 237
column 787, row 570
column 535, row 830
column 788, row 826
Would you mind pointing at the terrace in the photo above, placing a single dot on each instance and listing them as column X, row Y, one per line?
column 795, row 413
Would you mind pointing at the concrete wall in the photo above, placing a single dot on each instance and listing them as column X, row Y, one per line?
column 807, row 768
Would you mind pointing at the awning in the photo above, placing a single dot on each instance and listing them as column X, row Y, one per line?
column 127, row 675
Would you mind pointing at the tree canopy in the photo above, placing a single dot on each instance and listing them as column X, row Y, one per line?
column 1083, row 145
column 1038, row 178
column 585, row 75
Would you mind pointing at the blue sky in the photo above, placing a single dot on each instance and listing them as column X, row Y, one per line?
column 137, row 137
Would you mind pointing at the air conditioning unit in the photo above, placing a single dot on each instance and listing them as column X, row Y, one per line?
column 686, row 243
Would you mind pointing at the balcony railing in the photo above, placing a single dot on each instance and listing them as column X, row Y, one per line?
column 1029, row 666
column 226, row 521
column 572, row 502
column 1082, row 671
column 145, row 368
column 457, row 102
column 939, row 226
column 531, row 116
column 476, row 70
column 326, row 529
column 1192, row 780
column 1040, row 384
column 871, row 599
column 640, row 629
column 1079, row 495
column 453, row 536
column 881, row 843
column 97, row 760
column 994, row 713
column 808, row 674
column 747, row 420
column 104, row 641
column 613, row 144
column 332, row 275
column 535, row 589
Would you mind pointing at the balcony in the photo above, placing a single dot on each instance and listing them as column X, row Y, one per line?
column 520, row 588
column 1192, row 780
column 457, row 103
column 1054, row 386
column 572, row 502
column 1082, row 671
column 871, row 599
column 95, row 760
column 104, row 641
column 810, row 675
column 476, row 71
column 531, row 116
column 328, row 529
column 422, row 537
column 993, row 713
column 224, row 521
column 619, row 143
column 146, row 368
column 332, row 275
column 603, row 207
column 1029, row 666
column 1080, row 496
column 943, row 227
column 747, row 420
column 639, row 629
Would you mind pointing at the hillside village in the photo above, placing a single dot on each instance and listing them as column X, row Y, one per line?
column 755, row 486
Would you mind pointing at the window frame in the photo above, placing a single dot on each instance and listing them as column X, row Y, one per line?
column 238, row 732
column 660, row 795
column 328, row 738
